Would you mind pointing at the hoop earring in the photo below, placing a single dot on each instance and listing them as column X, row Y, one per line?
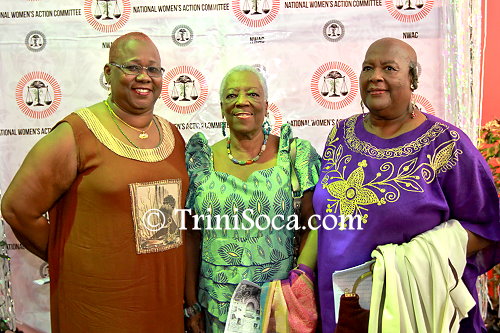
column 266, row 126
column 363, row 109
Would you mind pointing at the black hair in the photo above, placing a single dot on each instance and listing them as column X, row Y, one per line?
column 169, row 200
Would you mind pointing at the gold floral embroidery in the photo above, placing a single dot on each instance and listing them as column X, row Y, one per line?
column 351, row 194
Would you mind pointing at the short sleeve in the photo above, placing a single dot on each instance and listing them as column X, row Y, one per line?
column 198, row 163
column 307, row 165
column 473, row 200
column 470, row 191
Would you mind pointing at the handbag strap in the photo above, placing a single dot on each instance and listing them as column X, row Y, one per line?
column 296, row 195
column 293, row 174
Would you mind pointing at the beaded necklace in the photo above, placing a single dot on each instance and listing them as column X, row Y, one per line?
column 119, row 128
column 250, row 161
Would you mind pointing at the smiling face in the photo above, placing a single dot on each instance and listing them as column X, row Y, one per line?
column 385, row 77
column 134, row 94
column 243, row 103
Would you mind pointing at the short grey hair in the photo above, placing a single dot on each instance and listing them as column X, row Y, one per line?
column 244, row 68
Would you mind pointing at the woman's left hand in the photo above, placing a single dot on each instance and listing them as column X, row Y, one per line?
column 476, row 243
column 195, row 323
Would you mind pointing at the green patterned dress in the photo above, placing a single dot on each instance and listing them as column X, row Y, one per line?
column 228, row 255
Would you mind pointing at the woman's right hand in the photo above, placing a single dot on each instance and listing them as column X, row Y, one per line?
column 195, row 323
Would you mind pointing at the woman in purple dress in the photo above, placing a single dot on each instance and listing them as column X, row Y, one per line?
column 402, row 172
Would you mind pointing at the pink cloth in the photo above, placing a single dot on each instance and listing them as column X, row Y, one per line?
column 290, row 305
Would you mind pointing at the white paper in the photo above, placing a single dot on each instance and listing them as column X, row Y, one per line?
column 344, row 280
column 244, row 310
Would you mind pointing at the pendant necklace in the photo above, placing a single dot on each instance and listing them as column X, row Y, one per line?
column 142, row 133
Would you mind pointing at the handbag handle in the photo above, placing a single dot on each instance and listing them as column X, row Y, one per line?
column 358, row 281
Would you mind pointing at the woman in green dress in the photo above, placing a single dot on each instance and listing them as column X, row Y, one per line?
column 244, row 178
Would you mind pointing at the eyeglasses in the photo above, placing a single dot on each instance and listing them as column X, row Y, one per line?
column 136, row 70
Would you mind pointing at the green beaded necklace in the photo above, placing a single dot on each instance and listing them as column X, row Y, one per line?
column 250, row 161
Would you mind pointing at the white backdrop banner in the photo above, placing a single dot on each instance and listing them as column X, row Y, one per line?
column 52, row 54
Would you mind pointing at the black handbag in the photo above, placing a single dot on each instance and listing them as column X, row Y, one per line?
column 352, row 317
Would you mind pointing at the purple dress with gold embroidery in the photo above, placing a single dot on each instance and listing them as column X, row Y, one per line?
column 401, row 187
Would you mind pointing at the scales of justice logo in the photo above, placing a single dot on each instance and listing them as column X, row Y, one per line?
column 333, row 30
column 334, row 85
column 35, row 41
column 38, row 95
column 409, row 10
column 182, row 35
column 186, row 89
column 255, row 13
column 107, row 15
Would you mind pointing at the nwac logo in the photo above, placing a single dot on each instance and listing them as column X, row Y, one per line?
column 255, row 13
column 182, row 35
column 107, row 15
column 35, row 41
column 38, row 95
column 334, row 85
column 408, row 11
column 333, row 30
column 186, row 89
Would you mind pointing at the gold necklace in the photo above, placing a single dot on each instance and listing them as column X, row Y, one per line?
column 142, row 133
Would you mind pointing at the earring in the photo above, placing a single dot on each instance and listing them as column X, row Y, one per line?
column 362, row 108
column 412, row 87
column 412, row 114
column 413, row 106
column 266, row 126
column 223, row 126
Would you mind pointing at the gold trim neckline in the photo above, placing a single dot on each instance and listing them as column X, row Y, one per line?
column 368, row 149
column 159, row 153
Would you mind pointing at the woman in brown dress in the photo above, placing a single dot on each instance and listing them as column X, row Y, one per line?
column 103, row 174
